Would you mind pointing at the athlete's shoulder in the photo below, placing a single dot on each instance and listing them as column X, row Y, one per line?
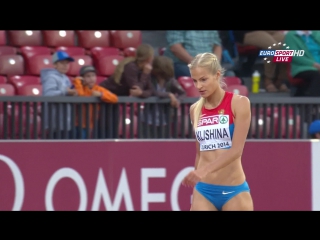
column 239, row 101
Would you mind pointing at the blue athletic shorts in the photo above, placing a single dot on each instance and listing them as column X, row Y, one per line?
column 219, row 195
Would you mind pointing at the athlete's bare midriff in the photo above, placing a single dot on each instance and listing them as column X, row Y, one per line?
column 232, row 174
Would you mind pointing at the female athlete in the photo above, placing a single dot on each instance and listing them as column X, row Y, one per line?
column 221, row 121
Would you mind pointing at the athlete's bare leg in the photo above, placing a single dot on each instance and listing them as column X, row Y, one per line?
column 240, row 202
column 200, row 203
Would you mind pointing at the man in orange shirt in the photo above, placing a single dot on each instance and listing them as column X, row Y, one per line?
column 86, row 85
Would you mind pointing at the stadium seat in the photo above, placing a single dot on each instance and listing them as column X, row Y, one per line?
column 129, row 52
column 38, row 62
column 188, row 86
column 99, row 52
column 31, row 90
column 7, row 50
column 79, row 62
column 124, row 39
column 257, row 130
column 3, row 37
column 161, row 51
column 25, row 38
column 128, row 123
column 238, row 89
column 89, row 39
column 5, row 90
column 106, row 65
column 3, row 80
column 20, row 81
column 100, row 79
column 30, row 51
column 72, row 50
column 230, row 81
column 11, row 65
column 58, row 38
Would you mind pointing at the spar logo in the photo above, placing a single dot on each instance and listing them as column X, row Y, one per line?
column 213, row 120
column 280, row 56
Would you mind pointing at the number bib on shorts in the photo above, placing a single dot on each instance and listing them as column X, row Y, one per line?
column 215, row 126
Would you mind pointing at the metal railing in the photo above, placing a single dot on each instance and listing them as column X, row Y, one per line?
column 24, row 117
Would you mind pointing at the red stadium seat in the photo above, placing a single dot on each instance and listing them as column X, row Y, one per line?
column 30, row 51
column 11, row 65
column 130, row 52
column 25, row 38
column 7, row 50
column 58, row 38
column 99, row 52
column 89, row 39
column 20, row 81
column 100, row 79
column 72, row 50
column 128, row 125
column 230, row 81
column 3, row 37
column 106, row 65
column 31, row 90
column 3, row 80
column 79, row 62
column 124, row 39
column 238, row 89
column 38, row 62
column 257, row 130
column 5, row 90
column 188, row 86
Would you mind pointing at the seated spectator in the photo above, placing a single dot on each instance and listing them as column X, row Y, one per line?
column 307, row 67
column 132, row 77
column 165, row 86
column 183, row 46
column 86, row 85
column 263, row 39
column 56, row 83
column 314, row 129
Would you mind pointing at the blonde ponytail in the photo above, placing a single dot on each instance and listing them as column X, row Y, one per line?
column 197, row 111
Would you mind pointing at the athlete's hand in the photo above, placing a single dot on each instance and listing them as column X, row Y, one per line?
column 194, row 177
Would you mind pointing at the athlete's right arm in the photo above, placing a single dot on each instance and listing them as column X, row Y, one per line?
column 197, row 143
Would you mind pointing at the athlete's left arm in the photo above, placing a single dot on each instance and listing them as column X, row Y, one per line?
column 242, row 112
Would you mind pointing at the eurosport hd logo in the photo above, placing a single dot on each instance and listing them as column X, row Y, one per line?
column 280, row 56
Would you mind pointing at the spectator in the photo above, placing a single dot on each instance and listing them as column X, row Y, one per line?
column 56, row 83
column 86, row 85
column 307, row 67
column 131, row 78
column 132, row 75
column 263, row 39
column 314, row 129
column 165, row 86
column 183, row 46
